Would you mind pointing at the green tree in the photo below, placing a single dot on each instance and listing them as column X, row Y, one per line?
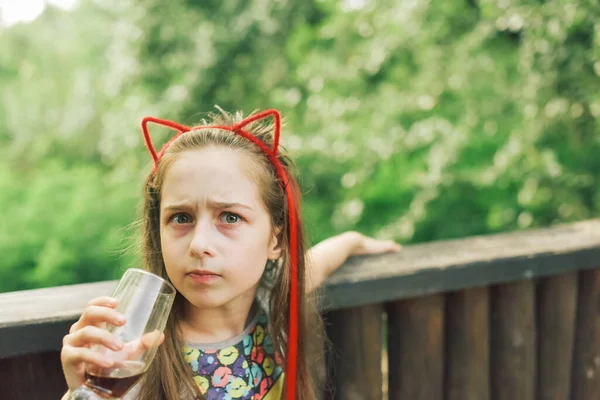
column 412, row 120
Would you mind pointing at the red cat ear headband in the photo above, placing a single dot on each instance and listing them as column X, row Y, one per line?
column 271, row 154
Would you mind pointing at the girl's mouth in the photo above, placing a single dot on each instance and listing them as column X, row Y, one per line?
column 203, row 276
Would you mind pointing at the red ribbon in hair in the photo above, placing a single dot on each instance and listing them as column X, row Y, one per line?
column 271, row 154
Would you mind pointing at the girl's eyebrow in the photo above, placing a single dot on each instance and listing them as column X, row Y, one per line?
column 211, row 203
column 223, row 204
column 177, row 206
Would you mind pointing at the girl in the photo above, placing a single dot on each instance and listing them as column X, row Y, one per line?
column 221, row 224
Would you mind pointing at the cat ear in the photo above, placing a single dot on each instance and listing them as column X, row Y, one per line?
column 263, row 115
column 169, row 124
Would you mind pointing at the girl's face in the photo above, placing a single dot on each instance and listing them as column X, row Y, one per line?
column 215, row 231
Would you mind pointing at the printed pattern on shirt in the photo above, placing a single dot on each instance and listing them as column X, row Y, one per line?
column 247, row 370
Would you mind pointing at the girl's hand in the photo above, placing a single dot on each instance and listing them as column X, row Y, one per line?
column 136, row 348
column 368, row 245
column 84, row 333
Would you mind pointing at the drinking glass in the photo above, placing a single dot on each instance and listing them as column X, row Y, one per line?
column 145, row 300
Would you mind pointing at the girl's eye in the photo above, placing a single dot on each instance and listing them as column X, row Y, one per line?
column 181, row 218
column 230, row 218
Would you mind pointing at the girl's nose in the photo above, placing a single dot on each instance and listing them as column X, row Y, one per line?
column 202, row 244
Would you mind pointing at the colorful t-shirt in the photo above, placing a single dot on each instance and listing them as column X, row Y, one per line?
column 245, row 367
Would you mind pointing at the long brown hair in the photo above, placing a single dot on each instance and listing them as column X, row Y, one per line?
column 170, row 375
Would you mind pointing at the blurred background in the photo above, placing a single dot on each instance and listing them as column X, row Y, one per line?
column 409, row 119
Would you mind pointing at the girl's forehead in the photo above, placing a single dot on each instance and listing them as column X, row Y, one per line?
column 218, row 173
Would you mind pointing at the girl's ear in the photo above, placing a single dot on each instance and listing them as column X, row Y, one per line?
column 275, row 248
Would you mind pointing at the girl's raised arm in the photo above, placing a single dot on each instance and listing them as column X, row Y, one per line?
column 328, row 255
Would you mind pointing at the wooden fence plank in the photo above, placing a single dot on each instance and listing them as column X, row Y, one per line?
column 355, row 336
column 513, row 351
column 416, row 348
column 586, row 357
column 467, row 345
column 556, row 305
column 36, row 376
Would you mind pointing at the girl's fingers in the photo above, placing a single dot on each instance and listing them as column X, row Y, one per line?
column 390, row 245
column 104, row 301
column 152, row 339
column 76, row 355
column 92, row 335
column 134, row 350
column 374, row 246
column 97, row 315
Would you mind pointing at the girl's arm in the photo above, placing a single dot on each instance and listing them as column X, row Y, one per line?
column 326, row 256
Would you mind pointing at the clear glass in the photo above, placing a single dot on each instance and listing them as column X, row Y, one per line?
column 145, row 300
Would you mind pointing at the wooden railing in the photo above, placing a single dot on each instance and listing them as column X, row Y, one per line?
column 510, row 316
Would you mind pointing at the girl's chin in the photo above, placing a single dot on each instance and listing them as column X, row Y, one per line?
column 211, row 298
column 204, row 302
column 206, row 298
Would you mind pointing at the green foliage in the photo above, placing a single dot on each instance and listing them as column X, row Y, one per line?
column 412, row 120
column 65, row 224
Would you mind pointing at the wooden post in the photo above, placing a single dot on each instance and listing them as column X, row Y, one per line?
column 467, row 345
column 586, row 357
column 415, row 348
column 556, row 304
column 513, row 341
column 355, row 357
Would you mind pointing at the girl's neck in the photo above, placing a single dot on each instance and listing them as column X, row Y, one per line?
column 212, row 325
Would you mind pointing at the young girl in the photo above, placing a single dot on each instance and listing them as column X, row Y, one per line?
column 221, row 223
